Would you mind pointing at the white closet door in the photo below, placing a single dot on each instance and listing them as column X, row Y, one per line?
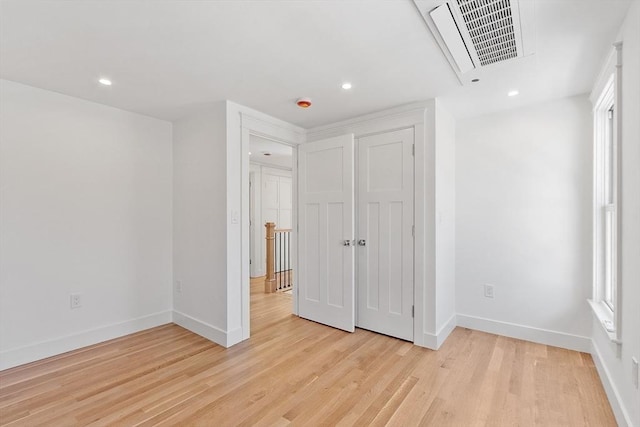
column 326, row 283
column 285, row 208
column 385, row 233
column 270, row 198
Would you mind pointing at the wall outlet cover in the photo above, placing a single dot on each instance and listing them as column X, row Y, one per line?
column 488, row 291
column 75, row 300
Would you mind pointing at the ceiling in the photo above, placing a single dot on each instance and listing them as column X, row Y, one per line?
column 167, row 59
column 278, row 155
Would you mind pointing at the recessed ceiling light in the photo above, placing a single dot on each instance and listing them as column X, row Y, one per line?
column 249, row 152
column 105, row 82
column 513, row 93
column 346, row 85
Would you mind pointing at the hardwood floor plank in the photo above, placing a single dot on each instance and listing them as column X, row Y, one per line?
column 297, row 372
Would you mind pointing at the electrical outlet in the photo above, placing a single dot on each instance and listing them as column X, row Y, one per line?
column 179, row 286
column 75, row 300
column 488, row 291
column 634, row 371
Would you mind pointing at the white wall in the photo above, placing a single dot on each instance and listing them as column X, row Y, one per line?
column 200, row 223
column 616, row 370
column 445, row 194
column 211, row 217
column 85, row 207
column 435, row 233
column 523, row 222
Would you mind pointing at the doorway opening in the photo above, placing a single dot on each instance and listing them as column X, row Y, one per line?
column 271, row 221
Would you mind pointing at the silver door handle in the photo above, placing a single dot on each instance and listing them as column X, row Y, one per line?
column 346, row 243
column 362, row 242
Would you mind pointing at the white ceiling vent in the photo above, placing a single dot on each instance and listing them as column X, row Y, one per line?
column 490, row 25
column 450, row 33
column 477, row 33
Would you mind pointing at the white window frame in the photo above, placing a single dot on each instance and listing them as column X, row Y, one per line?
column 606, row 98
column 605, row 200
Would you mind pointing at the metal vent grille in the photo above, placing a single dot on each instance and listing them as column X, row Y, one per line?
column 490, row 25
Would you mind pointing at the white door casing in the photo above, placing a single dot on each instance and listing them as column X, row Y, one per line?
column 326, row 281
column 385, row 233
column 254, row 231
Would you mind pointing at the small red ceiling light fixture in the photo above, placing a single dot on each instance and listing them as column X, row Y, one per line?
column 303, row 102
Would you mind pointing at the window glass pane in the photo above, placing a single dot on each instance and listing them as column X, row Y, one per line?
column 609, row 159
column 609, row 260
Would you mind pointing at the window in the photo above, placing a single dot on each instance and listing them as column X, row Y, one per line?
column 606, row 219
column 609, row 211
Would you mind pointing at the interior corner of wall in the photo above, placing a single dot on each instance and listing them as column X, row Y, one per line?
column 611, row 390
column 199, row 327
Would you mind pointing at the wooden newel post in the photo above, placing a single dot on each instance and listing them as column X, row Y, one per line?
column 270, row 280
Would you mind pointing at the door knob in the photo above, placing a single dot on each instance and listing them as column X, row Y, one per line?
column 362, row 242
column 347, row 243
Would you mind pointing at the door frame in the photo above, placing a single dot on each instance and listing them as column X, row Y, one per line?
column 253, row 271
column 420, row 117
column 252, row 122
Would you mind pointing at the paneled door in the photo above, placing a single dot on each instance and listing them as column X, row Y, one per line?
column 326, row 283
column 385, row 233
column 276, row 199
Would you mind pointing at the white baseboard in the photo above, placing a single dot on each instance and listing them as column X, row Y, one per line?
column 446, row 330
column 620, row 412
column 201, row 328
column 53, row 347
column 435, row 341
column 234, row 337
column 527, row 333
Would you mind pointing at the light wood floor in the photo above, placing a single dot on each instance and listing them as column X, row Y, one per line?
column 298, row 372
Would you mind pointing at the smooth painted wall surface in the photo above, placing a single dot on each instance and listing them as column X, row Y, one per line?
column 200, row 221
column 85, row 207
column 618, row 368
column 445, row 218
column 523, row 216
